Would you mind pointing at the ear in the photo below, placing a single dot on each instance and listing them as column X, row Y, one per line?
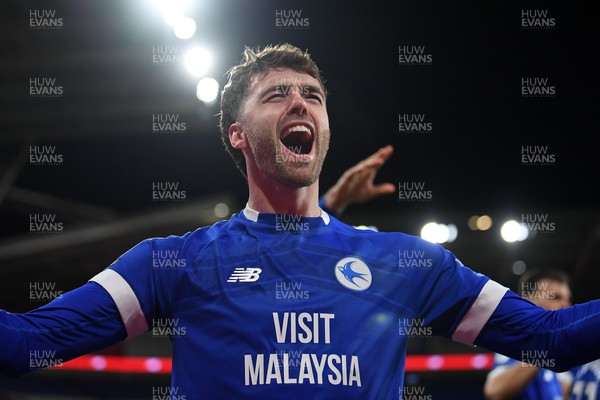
column 237, row 136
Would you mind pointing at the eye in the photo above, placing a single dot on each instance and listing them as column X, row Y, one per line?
column 275, row 95
column 316, row 97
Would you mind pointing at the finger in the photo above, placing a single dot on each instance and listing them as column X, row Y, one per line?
column 379, row 157
column 375, row 160
column 385, row 152
column 384, row 188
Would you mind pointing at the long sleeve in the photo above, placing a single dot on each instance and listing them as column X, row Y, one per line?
column 79, row 322
column 555, row 340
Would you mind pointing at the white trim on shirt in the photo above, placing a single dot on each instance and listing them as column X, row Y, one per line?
column 480, row 312
column 127, row 302
column 252, row 215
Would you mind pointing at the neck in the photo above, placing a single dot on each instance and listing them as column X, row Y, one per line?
column 267, row 195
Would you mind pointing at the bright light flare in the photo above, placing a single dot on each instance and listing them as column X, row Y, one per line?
column 172, row 10
column 439, row 233
column 207, row 90
column 197, row 61
column 221, row 210
column 173, row 16
column 184, row 28
column 513, row 231
column 484, row 222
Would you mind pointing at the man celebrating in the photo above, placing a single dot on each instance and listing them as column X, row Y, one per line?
column 282, row 300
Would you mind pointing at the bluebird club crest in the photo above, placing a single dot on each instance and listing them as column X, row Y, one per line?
column 353, row 273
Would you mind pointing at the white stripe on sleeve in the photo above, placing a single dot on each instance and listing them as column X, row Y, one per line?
column 125, row 299
column 479, row 313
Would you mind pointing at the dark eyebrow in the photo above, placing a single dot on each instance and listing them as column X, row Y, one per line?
column 314, row 89
column 274, row 88
column 269, row 90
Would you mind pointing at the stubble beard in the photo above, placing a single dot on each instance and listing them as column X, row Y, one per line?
column 273, row 161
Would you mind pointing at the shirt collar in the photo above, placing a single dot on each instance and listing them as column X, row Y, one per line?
column 254, row 215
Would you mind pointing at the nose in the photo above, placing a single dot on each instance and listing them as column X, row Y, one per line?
column 297, row 103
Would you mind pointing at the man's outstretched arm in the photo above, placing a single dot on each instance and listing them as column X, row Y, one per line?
column 556, row 340
column 79, row 322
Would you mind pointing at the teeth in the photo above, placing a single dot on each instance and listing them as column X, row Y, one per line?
column 298, row 128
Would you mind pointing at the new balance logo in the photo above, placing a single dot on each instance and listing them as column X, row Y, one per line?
column 245, row 275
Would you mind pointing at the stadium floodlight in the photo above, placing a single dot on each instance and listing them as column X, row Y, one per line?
column 484, row 222
column 184, row 28
column 480, row 222
column 172, row 10
column 207, row 90
column 197, row 61
column 439, row 233
column 513, row 231
column 173, row 16
column 452, row 233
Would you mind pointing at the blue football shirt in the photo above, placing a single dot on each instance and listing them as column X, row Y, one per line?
column 268, row 306
column 586, row 382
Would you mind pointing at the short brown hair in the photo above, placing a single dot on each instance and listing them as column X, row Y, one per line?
column 256, row 62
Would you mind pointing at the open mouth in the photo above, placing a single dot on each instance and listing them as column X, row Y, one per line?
column 298, row 138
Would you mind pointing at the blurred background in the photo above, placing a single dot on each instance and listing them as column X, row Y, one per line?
column 109, row 135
